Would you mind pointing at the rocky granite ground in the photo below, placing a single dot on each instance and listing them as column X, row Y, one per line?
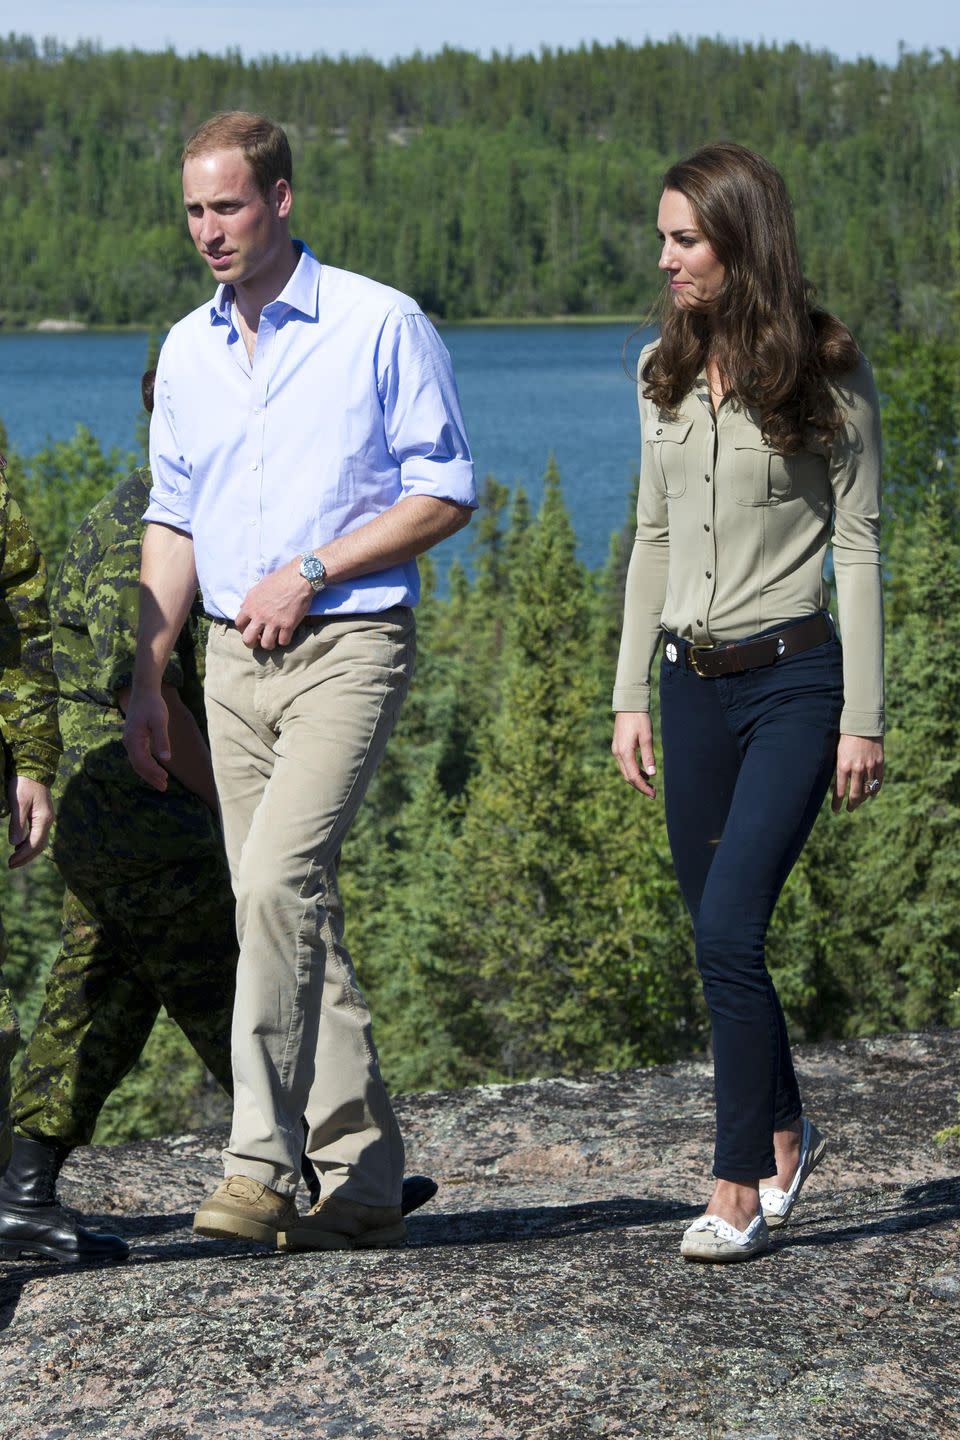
column 542, row 1296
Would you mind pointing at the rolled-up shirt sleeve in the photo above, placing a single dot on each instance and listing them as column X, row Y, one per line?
column 170, row 472
column 422, row 418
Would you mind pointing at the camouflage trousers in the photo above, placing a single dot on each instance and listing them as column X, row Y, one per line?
column 148, row 920
column 9, row 1037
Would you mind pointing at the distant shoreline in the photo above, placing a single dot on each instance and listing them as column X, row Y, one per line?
column 481, row 320
column 53, row 326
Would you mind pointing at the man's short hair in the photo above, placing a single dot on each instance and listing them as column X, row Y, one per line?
column 264, row 145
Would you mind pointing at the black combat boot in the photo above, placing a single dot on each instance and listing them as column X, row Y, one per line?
column 32, row 1220
column 417, row 1190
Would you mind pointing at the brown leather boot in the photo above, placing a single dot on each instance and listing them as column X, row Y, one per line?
column 243, row 1209
column 335, row 1224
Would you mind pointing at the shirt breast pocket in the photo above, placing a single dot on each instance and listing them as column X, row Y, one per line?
column 761, row 476
column 670, row 454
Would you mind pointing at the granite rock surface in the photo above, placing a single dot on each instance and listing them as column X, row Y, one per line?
column 542, row 1296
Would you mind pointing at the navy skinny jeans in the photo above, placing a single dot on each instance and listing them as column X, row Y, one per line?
column 747, row 762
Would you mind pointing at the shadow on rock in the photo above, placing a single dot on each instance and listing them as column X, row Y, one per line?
column 542, row 1222
column 14, row 1279
column 917, row 1208
column 934, row 1192
column 470, row 1227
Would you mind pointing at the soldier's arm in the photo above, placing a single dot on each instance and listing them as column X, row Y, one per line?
column 189, row 760
column 28, row 691
column 31, row 815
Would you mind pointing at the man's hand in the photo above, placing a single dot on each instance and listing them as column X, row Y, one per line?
column 633, row 731
column 146, row 736
column 274, row 607
column 31, row 815
column 859, row 771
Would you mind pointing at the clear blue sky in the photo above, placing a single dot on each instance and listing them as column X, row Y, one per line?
column 388, row 28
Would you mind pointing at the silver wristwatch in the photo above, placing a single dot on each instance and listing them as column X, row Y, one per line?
column 313, row 570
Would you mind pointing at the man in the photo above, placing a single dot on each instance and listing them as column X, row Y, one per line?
column 306, row 446
column 147, row 918
column 147, row 914
column 28, row 731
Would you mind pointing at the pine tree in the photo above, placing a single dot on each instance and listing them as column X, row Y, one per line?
column 556, row 878
column 884, row 883
column 910, row 864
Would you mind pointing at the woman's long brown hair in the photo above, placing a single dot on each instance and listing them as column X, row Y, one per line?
column 778, row 353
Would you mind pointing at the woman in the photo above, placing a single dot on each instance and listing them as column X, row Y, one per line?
column 760, row 432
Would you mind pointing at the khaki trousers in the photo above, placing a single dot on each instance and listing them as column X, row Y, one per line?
column 296, row 735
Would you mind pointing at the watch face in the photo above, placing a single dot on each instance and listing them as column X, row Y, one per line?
column 313, row 569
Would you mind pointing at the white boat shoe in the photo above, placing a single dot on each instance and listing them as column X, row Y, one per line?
column 711, row 1238
column 778, row 1204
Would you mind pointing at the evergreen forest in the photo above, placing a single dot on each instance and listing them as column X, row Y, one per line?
column 510, row 187
column 511, row 903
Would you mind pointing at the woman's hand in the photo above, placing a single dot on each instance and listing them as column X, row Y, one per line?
column 859, row 770
column 633, row 731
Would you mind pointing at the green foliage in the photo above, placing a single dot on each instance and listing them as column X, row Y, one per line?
column 30, row 902
column 169, row 1090
column 510, row 902
column 902, row 945
column 867, row 935
column 58, row 485
column 556, row 938
column 918, row 379
column 537, row 177
column 544, row 843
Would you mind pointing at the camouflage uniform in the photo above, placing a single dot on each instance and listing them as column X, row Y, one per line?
column 148, row 917
column 28, row 712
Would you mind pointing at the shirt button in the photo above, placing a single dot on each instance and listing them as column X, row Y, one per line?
column 707, row 478
column 700, row 623
column 255, row 465
column 659, row 432
column 707, row 528
column 709, row 574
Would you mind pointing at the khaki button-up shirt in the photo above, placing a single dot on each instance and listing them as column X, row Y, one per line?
column 731, row 539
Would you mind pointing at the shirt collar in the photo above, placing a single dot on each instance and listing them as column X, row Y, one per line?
column 301, row 293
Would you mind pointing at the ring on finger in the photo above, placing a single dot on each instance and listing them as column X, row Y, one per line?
column 872, row 786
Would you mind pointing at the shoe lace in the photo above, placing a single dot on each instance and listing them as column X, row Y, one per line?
column 773, row 1199
column 724, row 1230
column 241, row 1187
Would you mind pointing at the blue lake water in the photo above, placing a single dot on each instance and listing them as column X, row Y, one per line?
column 527, row 391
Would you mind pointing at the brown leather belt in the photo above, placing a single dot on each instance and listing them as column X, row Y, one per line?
column 733, row 657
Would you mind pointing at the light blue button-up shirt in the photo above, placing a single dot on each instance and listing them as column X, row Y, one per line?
column 349, row 406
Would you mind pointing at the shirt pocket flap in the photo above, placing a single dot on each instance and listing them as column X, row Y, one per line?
column 675, row 431
column 761, row 475
column 667, row 439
